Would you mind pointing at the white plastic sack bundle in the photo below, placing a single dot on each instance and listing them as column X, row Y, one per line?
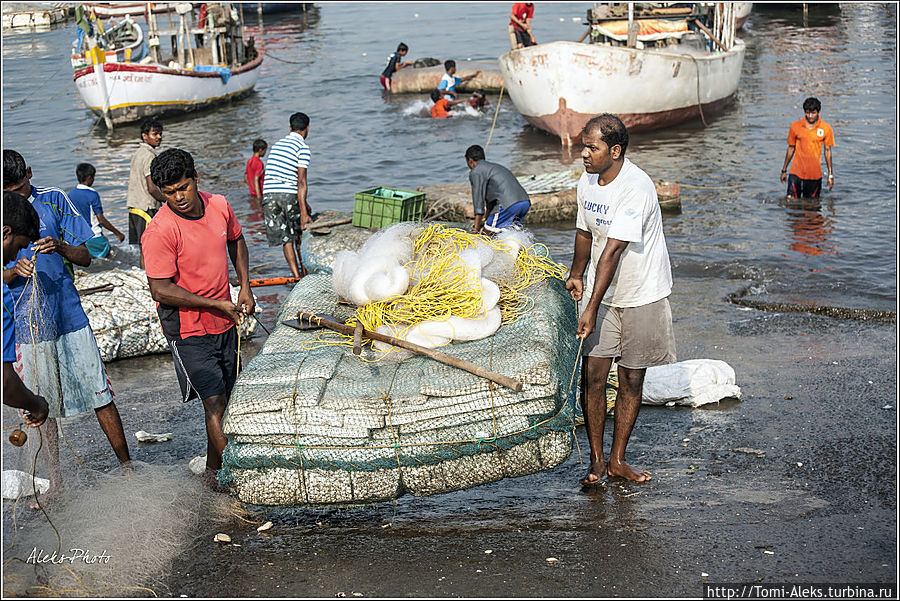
column 694, row 383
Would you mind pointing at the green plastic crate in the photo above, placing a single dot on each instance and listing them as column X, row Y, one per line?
column 383, row 206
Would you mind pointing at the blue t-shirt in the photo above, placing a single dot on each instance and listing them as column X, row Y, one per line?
column 55, row 308
column 9, row 326
column 87, row 202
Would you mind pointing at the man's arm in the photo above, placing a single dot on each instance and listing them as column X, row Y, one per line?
column 455, row 102
column 256, row 187
column 575, row 281
column 787, row 161
column 154, row 191
column 302, row 188
column 78, row 255
column 515, row 19
column 606, row 269
column 470, row 77
column 103, row 221
column 164, row 290
column 240, row 258
column 17, row 395
column 830, row 169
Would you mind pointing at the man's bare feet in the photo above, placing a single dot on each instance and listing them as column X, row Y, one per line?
column 620, row 469
column 596, row 475
column 212, row 483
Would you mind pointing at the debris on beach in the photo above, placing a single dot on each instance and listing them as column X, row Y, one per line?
column 143, row 436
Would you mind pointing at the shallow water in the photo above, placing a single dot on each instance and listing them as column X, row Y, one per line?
column 733, row 221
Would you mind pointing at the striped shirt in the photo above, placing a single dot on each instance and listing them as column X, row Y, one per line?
column 286, row 156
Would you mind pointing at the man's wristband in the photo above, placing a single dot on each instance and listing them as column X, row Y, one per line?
column 830, row 176
column 784, row 170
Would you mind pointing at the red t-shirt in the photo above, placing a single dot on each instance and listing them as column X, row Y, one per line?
column 807, row 143
column 255, row 168
column 194, row 253
column 440, row 109
column 521, row 11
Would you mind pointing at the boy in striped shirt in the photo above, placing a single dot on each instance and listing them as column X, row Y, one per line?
column 285, row 188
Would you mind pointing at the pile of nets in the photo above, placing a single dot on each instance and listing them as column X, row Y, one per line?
column 123, row 315
column 310, row 423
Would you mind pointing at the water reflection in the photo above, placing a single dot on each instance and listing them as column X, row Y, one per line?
column 811, row 230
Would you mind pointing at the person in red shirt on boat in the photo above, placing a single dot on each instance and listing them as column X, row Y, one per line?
column 255, row 170
column 186, row 251
column 519, row 29
column 805, row 139
column 441, row 107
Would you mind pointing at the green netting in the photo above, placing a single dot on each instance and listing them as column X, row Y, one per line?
column 325, row 426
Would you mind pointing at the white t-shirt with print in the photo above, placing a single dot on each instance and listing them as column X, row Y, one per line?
column 626, row 209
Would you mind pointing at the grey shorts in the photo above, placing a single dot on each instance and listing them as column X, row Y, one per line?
column 282, row 217
column 636, row 337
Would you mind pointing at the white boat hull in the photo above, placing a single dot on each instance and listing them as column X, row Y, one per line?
column 136, row 91
column 559, row 86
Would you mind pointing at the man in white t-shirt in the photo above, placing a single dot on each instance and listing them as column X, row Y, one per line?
column 625, row 314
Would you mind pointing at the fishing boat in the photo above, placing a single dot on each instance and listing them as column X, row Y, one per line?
column 200, row 61
column 653, row 68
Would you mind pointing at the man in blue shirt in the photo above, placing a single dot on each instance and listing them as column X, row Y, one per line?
column 58, row 355
column 87, row 201
column 20, row 228
column 449, row 80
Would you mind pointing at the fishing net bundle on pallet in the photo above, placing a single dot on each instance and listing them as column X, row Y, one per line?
column 310, row 423
column 123, row 316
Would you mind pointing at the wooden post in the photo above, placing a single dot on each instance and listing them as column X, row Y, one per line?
column 632, row 34
column 706, row 30
column 431, row 353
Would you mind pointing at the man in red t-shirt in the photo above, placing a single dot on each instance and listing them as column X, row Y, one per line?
column 519, row 28
column 441, row 107
column 805, row 139
column 186, row 249
column 255, row 170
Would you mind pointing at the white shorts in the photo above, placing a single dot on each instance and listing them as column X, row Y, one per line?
column 67, row 371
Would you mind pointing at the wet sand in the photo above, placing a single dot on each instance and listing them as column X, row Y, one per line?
column 810, row 479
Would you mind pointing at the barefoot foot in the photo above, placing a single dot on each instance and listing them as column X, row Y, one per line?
column 596, row 475
column 623, row 470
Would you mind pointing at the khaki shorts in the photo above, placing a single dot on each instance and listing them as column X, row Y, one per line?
column 636, row 337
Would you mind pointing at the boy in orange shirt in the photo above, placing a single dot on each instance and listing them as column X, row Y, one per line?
column 805, row 140
column 441, row 107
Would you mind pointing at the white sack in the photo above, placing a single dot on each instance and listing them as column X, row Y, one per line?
column 694, row 383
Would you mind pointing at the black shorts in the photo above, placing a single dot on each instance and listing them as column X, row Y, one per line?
column 205, row 365
column 136, row 226
column 523, row 38
column 803, row 188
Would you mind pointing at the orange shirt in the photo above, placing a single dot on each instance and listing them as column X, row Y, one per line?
column 521, row 11
column 807, row 143
column 439, row 110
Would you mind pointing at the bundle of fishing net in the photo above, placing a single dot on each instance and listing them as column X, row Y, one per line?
column 123, row 315
column 310, row 423
column 437, row 284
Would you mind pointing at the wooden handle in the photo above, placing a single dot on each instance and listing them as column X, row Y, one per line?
column 433, row 354
column 710, row 34
column 95, row 289
column 316, row 226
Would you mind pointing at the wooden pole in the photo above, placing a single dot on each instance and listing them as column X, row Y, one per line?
column 431, row 353
column 316, row 226
column 706, row 30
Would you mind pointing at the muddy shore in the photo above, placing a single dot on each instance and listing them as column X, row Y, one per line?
column 795, row 483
